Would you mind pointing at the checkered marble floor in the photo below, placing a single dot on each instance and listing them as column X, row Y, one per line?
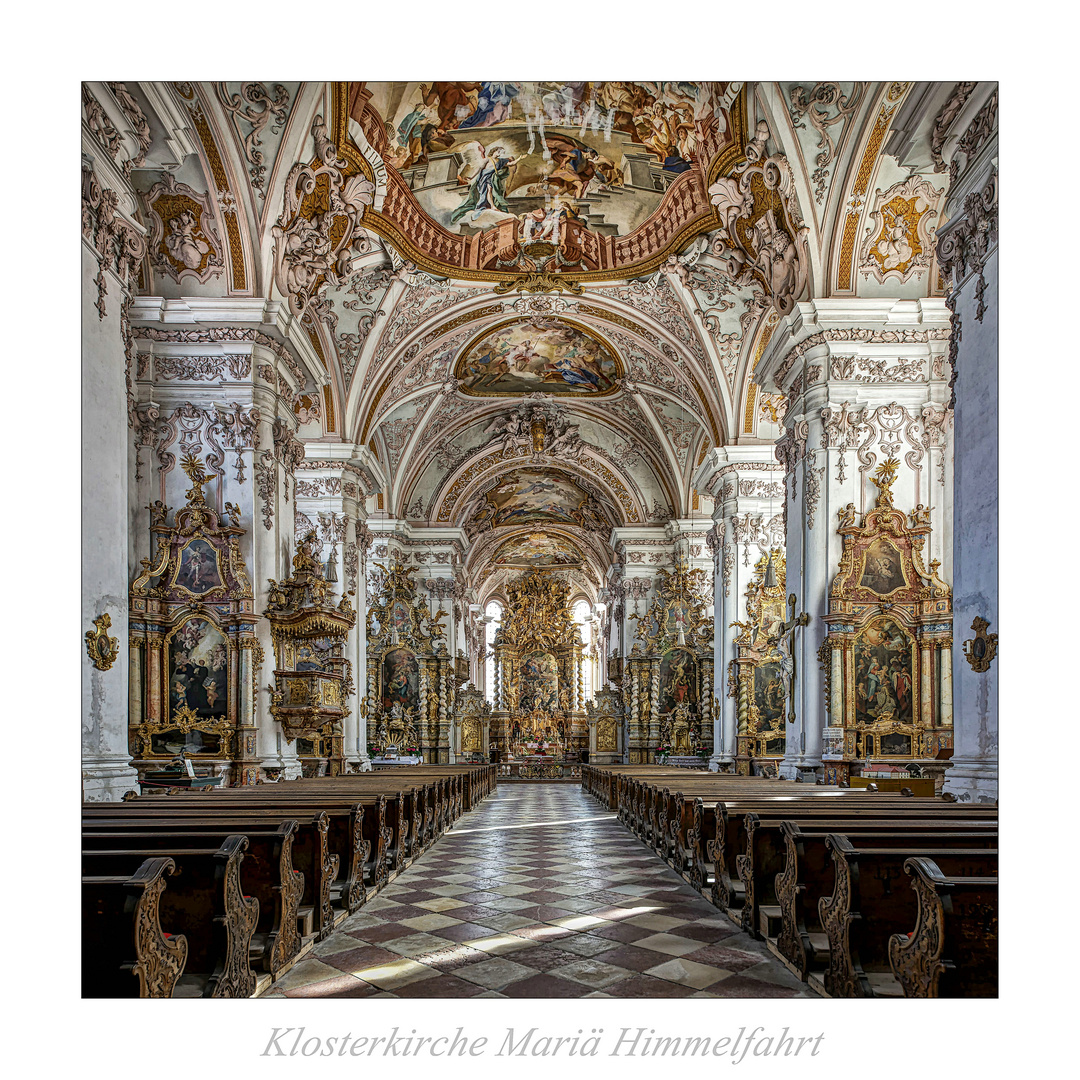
column 538, row 893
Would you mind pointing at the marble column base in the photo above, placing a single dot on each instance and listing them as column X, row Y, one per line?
column 721, row 762
column 107, row 779
column 359, row 762
column 806, row 770
column 973, row 779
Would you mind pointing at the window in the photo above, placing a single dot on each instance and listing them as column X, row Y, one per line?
column 583, row 618
column 493, row 611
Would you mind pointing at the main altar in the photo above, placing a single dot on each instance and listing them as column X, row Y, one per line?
column 539, row 711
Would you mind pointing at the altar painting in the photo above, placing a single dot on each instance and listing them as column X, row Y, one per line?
column 769, row 694
column 883, row 570
column 534, row 495
column 198, row 570
column 542, row 354
column 884, row 663
column 400, row 679
column 677, row 617
column 198, row 670
column 539, row 682
column 678, row 679
column 537, row 550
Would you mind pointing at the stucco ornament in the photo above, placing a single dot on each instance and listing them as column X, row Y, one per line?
column 899, row 242
column 183, row 242
column 319, row 228
column 762, row 235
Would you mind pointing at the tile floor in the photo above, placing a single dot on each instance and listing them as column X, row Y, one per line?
column 538, row 893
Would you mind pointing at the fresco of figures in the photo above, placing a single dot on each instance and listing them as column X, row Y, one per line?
column 884, row 661
column 401, row 679
column 544, row 354
column 479, row 153
column 539, row 682
column 678, row 680
column 198, row 670
column 535, row 495
column 537, row 550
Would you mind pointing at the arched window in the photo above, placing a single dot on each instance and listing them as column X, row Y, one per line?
column 583, row 618
column 493, row 611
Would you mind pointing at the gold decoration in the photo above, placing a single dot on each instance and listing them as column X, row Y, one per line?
column 102, row 649
column 980, row 650
column 534, row 283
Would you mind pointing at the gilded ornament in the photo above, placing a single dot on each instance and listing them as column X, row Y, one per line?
column 980, row 650
column 102, row 649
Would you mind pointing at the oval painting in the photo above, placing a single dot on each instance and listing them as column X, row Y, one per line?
column 542, row 354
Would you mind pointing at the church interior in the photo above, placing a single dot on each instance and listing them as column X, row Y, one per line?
column 539, row 539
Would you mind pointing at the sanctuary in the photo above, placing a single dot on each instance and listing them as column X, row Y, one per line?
column 443, row 436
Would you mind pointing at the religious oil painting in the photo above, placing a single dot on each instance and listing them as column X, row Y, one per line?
column 769, row 694
column 543, row 354
column 883, row 570
column 198, row 570
column 536, row 495
column 401, row 679
column 677, row 680
column 537, row 550
column 198, row 669
column 677, row 618
column 884, row 662
column 539, row 682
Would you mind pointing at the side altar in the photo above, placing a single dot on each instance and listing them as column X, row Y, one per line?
column 888, row 652
column 667, row 680
column 412, row 678
column 194, row 657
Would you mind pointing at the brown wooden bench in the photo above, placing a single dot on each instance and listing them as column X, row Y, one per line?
column 206, row 898
column 267, row 874
column 952, row 951
column 125, row 952
column 871, row 902
column 808, row 872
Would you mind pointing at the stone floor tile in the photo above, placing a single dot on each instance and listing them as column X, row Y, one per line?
column 687, row 973
column 668, row 943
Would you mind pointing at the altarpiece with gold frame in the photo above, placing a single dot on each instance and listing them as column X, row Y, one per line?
column 760, row 685
column 887, row 656
column 194, row 657
column 668, row 678
column 539, row 692
column 312, row 678
column 412, row 678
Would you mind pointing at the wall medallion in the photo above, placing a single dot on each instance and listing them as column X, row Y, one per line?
column 102, row 649
column 982, row 648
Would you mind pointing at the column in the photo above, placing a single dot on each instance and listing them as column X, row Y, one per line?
column 105, row 443
column 864, row 380
column 745, row 483
column 967, row 253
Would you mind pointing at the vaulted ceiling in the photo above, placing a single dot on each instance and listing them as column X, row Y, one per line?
column 539, row 304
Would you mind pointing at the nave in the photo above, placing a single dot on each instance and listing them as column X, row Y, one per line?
column 538, row 893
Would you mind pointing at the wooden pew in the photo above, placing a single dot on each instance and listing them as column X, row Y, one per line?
column 206, row 898
column 808, row 871
column 865, row 909
column 125, row 952
column 311, row 853
column 952, row 952
column 267, row 874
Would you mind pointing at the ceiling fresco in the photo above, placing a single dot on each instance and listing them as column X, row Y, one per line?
column 459, row 258
column 544, row 353
column 537, row 550
column 543, row 177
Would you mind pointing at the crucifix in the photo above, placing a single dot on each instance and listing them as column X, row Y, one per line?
column 787, row 650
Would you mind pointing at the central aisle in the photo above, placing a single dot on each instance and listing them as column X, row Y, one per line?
column 539, row 893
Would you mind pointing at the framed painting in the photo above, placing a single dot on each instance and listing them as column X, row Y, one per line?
column 883, row 568
column 769, row 694
column 678, row 680
column 884, row 673
column 198, row 665
column 400, row 679
column 198, row 570
column 539, row 682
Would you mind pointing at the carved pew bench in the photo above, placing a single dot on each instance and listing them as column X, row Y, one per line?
column 125, row 952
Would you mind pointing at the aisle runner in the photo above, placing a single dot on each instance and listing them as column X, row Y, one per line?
column 539, row 893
